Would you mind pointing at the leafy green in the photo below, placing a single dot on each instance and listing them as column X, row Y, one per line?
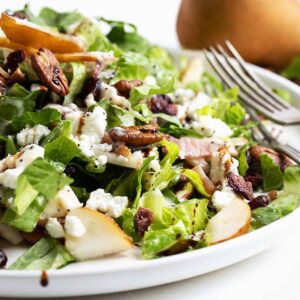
column 292, row 180
column 243, row 161
column 196, row 180
column 130, row 183
column 155, row 201
column 125, row 35
column 127, row 223
column 62, row 150
column 45, row 254
column 46, row 117
column 277, row 209
column 235, row 114
column 28, row 220
column 40, row 177
column 272, row 175
column 9, row 145
column 292, row 71
column 79, row 75
column 179, row 132
column 63, row 128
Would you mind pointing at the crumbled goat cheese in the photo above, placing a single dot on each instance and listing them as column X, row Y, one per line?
column 111, row 93
column 208, row 126
column 101, row 160
column 94, row 124
column 74, row 226
column 222, row 198
column 55, row 229
column 70, row 112
column 28, row 154
column 183, row 96
column 107, row 203
column 32, row 135
column 90, row 100
column 149, row 80
column 10, row 177
column 198, row 102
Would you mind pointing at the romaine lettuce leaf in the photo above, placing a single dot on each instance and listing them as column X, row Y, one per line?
column 47, row 116
column 9, row 145
column 28, row 220
column 62, row 150
column 78, row 78
column 45, row 254
column 63, row 128
column 292, row 180
column 196, row 180
column 272, row 175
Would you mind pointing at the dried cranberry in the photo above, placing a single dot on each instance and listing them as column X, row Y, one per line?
column 240, row 186
column 255, row 178
column 162, row 103
column 14, row 59
column 3, row 259
column 259, row 201
column 142, row 220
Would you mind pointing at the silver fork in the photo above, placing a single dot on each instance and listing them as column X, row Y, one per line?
column 224, row 68
column 253, row 91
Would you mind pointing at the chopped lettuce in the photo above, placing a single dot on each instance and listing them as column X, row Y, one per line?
column 292, row 180
column 292, row 71
column 79, row 75
column 272, row 176
column 243, row 161
column 196, row 180
column 45, row 254
column 62, row 150
column 46, row 117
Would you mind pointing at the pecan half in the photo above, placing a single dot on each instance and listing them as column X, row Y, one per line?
column 142, row 220
column 124, row 86
column 240, row 186
column 3, row 85
column 136, row 135
column 49, row 71
column 16, row 76
column 162, row 103
column 14, row 59
column 94, row 83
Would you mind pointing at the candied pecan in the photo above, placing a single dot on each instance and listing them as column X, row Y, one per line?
column 240, row 186
column 124, row 86
column 162, row 103
column 137, row 135
column 94, row 82
column 3, row 86
column 121, row 149
column 14, row 59
column 142, row 220
column 16, row 76
column 255, row 178
column 49, row 71
column 259, row 201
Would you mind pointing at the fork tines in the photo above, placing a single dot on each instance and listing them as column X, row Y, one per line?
column 235, row 72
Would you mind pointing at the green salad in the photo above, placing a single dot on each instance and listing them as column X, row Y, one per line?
column 108, row 143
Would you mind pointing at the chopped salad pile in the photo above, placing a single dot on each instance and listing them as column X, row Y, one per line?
column 108, row 142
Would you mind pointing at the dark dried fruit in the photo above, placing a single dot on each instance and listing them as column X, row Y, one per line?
column 14, row 59
column 255, row 178
column 240, row 186
column 94, row 83
column 259, row 201
column 33, row 237
column 3, row 259
column 137, row 135
column 142, row 220
column 70, row 171
column 162, row 103
column 48, row 70
column 125, row 86
column 18, row 14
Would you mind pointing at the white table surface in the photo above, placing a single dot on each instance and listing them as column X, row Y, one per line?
column 273, row 274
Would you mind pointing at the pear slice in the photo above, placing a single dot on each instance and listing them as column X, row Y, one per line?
column 102, row 237
column 193, row 71
column 232, row 221
column 34, row 36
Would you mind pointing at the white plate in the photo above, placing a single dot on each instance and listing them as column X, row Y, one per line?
column 128, row 271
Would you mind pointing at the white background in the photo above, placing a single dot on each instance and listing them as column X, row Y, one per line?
column 274, row 274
